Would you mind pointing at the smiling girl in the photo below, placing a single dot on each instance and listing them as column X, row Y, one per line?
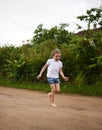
column 54, row 66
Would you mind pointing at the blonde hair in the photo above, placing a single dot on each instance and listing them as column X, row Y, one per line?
column 55, row 52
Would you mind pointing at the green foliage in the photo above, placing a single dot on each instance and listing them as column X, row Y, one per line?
column 14, row 68
column 82, row 59
column 79, row 80
column 95, row 90
column 98, row 62
column 93, row 16
column 58, row 33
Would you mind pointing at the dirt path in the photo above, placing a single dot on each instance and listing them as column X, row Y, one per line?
column 29, row 110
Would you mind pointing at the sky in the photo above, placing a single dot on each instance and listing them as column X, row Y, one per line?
column 19, row 18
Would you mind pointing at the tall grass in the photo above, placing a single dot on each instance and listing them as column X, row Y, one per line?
column 65, row 87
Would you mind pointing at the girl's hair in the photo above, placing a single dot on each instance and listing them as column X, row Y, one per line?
column 55, row 52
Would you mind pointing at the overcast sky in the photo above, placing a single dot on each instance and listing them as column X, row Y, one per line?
column 19, row 18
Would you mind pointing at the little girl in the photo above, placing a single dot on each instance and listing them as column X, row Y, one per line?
column 54, row 66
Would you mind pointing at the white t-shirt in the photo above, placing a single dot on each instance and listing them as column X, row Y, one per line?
column 53, row 68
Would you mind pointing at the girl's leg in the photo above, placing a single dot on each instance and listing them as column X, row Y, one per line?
column 53, row 90
column 50, row 94
column 57, row 87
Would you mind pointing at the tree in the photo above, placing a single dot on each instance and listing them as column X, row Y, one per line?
column 93, row 16
column 40, row 34
column 58, row 33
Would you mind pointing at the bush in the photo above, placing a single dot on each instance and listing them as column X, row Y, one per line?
column 81, row 56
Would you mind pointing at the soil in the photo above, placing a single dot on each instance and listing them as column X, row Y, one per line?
column 31, row 110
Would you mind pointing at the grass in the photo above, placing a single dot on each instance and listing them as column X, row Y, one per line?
column 65, row 88
column 83, row 90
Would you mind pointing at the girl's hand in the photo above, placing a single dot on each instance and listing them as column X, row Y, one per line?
column 66, row 78
column 39, row 76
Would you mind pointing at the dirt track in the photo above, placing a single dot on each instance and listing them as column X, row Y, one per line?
column 30, row 110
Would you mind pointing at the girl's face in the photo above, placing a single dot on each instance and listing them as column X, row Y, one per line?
column 57, row 56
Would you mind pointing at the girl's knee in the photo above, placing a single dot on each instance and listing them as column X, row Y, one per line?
column 53, row 91
column 56, row 90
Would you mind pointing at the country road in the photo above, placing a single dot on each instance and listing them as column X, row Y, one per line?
column 30, row 110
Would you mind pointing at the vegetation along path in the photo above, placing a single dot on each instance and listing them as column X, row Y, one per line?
column 30, row 110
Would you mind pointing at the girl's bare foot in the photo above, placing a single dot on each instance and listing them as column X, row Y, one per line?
column 53, row 105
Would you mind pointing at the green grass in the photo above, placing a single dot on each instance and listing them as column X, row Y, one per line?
column 24, row 85
column 65, row 88
column 82, row 90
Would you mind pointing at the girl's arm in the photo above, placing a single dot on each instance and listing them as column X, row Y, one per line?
column 42, row 70
column 62, row 75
